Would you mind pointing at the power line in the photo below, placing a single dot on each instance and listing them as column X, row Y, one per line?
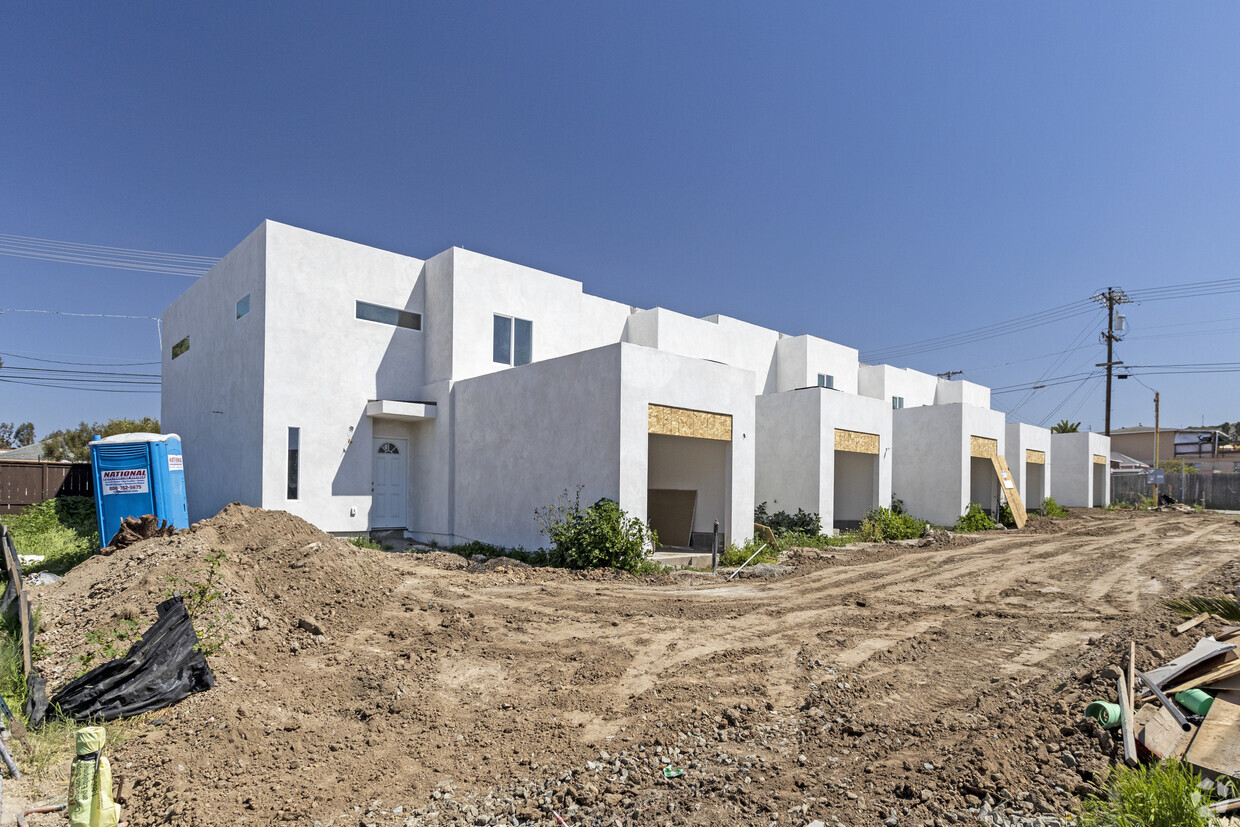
column 65, row 387
column 95, row 255
column 83, row 315
column 64, row 362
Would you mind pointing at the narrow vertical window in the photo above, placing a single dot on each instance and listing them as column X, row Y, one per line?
column 522, row 341
column 294, row 445
column 826, row 380
column 243, row 306
column 897, row 402
column 502, row 347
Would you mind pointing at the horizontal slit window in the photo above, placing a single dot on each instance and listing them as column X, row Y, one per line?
column 389, row 315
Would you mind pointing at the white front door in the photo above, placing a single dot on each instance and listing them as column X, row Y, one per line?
column 391, row 464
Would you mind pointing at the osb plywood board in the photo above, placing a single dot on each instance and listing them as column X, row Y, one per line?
column 1162, row 736
column 1099, row 459
column 983, row 447
column 684, row 422
column 1033, row 457
column 1216, row 748
column 1010, row 492
column 856, row 442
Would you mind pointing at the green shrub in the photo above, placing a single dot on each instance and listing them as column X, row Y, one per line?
column 735, row 555
column 601, row 536
column 781, row 522
column 362, row 541
column 475, row 547
column 63, row 531
column 975, row 519
column 1164, row 794
column 1006, row 517
column 1050, row 508
column 799, row 540
column 883, row 524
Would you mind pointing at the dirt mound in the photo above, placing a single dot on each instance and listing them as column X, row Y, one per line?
column 871, row 682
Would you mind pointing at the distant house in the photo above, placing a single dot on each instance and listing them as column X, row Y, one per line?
column 1205, row 449
column 29, row 453
column 1123, row 462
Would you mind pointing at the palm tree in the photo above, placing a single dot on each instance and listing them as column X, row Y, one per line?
column 1063, row 426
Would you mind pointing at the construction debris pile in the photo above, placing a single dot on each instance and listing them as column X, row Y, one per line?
column 1187, row 709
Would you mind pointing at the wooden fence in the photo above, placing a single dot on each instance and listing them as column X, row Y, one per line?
column 23, row 482
column 1219, row 491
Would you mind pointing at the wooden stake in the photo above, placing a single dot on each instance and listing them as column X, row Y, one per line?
column 1125, row 722
column 1132, row 674
column 1190, row 623
column 23, row 612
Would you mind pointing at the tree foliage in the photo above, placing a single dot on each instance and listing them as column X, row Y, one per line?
column 1176, row 466
column 16, row 436
column 1063, row 426
column 73, row 444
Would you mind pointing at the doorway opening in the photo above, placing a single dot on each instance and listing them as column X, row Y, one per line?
column 688, row 479
column 983, row 484
column 856, row 488
column 1035, row 485
column 1100, row 485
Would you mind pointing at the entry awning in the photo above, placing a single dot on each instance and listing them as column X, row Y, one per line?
column 403, row 411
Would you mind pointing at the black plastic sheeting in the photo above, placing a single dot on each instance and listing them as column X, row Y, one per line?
column 161, row 669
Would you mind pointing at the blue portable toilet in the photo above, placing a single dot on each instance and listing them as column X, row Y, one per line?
column 136, row 474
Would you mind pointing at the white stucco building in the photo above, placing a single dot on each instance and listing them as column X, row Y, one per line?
column 1081, row 473
column 362, row 389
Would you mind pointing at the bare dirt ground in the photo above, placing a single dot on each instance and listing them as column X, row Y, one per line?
column 868, row 683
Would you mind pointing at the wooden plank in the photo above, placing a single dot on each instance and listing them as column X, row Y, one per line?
column 1216, row 748
column 1163, row 737
column 1010, row 493
column 23, row 612
column 1132, row 673
column 1126, row 722
column 1227, row 670
column 1190, row 623
column 1224, row 683
column 1228, row 633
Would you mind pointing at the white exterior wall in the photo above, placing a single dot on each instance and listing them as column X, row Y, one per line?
column 932, row 473
column 958, row 391
column 884, row 382
column 801, row 358
column 583, row 420
column 715, row 338
column 796, row 448
column 1072, row 476
column 324, row 364
column 213, row 393
column 1022, row 438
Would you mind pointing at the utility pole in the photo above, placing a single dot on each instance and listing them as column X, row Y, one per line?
column 1155, row 446
column 1110, row 298
column 948, row 374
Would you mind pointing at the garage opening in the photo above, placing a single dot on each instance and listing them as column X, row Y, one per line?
column 1035, row 485
column 983, row 484
column 687, row 485
column 1100, row 485
column 856, row 488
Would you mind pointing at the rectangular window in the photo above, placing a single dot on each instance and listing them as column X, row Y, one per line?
column 389, row 315
column 522, row 341
column 897, row 402
column 243, row 306
column 513, row 342
column 826, row 380
column 501, row 350
column 294, row 464
column 180, row 347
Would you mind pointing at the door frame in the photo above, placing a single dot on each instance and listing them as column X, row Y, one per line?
column 402, row 445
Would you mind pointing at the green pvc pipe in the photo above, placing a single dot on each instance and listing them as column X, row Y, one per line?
column 1105, row 713
column 1195, row 701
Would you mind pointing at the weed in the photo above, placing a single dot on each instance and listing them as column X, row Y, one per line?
column 883, row 524
column 62, row 531
column 648, row 567
column 781, row 522
column 109, row 644
column 799, row 540
column 203, row 599
column 1164, row 794
column 735, row 555
column 1006, row 517
column 362, row 541
column 974, row 519
column 1050, row 508
column 1228, row 608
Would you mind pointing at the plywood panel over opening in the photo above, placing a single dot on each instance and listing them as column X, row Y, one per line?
column 1035, row 457
column 670, row 513
column 983, row 447
column 685, row 422
column 856, row 442
column 1010, row 492
column 1099, row 459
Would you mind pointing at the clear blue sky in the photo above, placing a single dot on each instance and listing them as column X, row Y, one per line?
column 871, row 172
